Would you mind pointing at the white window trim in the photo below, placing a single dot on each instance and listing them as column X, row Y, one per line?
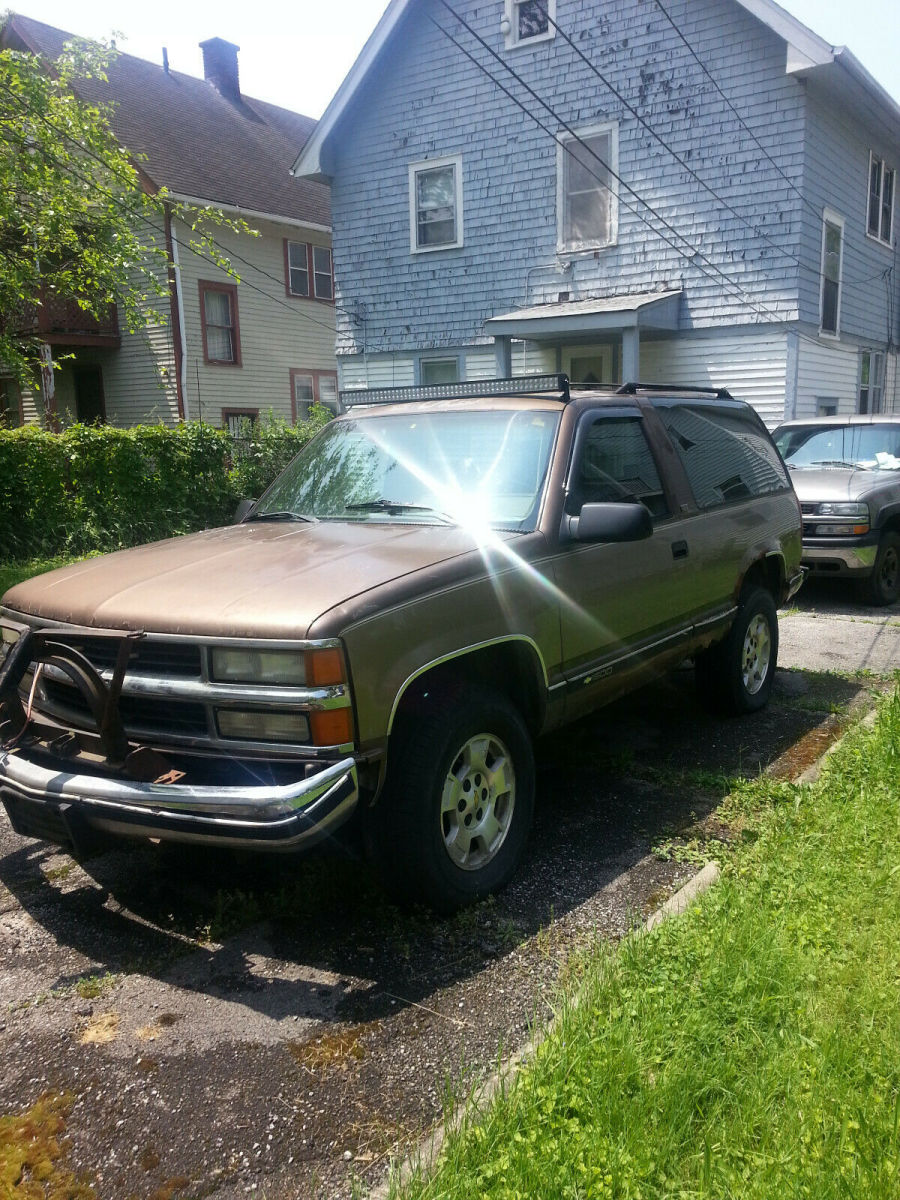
column 876, row 237
column 509, row 26
column 876, row 358
column 612, row 128
column 830, row 217
column 429, row 164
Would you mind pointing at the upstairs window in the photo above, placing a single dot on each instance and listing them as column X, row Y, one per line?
column 832, row 255
column 527, row 21
column 586, row 202
column 871, row 381
column 309, row 271
column 881, row 200
column 435, row 204
column 218, row 311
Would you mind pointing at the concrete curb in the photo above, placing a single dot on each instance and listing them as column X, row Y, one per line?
column 425, row 1158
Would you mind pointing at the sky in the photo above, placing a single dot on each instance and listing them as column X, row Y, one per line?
column 296, row 54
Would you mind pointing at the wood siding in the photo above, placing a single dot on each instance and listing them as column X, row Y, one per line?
column 278, row 332
column 736, row 267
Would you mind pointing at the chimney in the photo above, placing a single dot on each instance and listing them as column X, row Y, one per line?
column 220, row 67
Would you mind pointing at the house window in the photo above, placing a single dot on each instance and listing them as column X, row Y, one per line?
column 832, row 253
column 826, row 406
column 435, row 204
column 871, row 381
column 881, row 199
column 528, row 21
column 219, row 312
column 309, row 271
column 586, row 199
column 439, row 370
column 312, row 387
column 238, row 420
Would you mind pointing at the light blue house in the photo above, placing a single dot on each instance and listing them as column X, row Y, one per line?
column 688, row 191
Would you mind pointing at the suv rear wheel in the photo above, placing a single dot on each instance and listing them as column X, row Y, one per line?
column 457, row 808
column 736, row 675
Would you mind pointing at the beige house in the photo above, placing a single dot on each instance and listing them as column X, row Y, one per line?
column 221, row 349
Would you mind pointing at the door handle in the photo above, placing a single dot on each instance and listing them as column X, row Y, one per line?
column 679, row 549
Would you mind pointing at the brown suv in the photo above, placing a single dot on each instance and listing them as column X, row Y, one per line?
column 430, row 584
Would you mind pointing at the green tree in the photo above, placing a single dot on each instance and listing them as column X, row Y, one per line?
column 78, row 220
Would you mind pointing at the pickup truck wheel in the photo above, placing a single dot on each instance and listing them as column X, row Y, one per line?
column 883, row 585
column 455, row 816
column 736, row 675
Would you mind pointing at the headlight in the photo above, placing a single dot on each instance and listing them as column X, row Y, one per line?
column 259, row 726
column 285, row 668
column 830, row 508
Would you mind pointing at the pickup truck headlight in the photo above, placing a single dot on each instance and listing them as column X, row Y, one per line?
column 263, row 726
column 317, row 667
column 853, row 519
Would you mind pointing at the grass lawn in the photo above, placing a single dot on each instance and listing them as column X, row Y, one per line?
column 748, row 1050
column 12, row 573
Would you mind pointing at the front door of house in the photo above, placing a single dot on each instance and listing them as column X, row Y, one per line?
column 90, row 407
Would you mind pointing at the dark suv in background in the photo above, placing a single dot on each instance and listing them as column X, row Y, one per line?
column 846, row 472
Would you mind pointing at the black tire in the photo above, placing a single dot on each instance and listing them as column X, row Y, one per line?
column 736, row 675
column 882, row 587
column 442, row 834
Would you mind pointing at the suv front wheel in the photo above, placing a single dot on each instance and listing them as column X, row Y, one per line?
column 457, row 808
column 736, row 675
column 883, row 585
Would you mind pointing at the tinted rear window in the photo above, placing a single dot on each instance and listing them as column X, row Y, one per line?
column 725, row 450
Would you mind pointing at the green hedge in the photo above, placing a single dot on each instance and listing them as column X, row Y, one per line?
column 96, row 488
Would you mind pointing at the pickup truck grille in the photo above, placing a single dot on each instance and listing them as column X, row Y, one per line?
column 178, row 659
column 143, row 717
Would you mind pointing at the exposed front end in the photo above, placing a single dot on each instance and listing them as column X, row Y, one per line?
column 219, row 741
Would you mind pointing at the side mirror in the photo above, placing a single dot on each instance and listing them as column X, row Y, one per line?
column 610, row 522
column 243, row 508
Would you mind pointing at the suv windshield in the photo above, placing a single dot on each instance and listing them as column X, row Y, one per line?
column 461, row 467
column 868, row 447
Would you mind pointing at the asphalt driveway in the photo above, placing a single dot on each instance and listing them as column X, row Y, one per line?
column 222, row 1027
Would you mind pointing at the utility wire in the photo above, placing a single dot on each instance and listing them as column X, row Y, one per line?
column 719, row 276
column 758, row 232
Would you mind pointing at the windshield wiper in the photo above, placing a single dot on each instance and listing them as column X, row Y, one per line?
column 278, row 516
column 395, row 506
column 838, row 462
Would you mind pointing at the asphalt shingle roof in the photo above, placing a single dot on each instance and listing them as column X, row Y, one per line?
column 194, row 141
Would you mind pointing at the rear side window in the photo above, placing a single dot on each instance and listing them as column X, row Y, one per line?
column 725, row 451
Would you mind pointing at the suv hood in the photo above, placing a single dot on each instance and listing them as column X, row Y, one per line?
column 210, row 583
column 834, row 483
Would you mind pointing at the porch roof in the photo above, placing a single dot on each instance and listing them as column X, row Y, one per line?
column 578, row 318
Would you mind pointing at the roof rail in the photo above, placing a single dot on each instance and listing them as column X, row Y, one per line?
column 519, row 385
column 631, row 389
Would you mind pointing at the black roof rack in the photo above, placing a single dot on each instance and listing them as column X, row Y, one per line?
column 631, row 389
column 520, row 385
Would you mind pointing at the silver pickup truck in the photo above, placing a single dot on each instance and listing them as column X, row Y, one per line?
column 846, row 471
column 429, row 585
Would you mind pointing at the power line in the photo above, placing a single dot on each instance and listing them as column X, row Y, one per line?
column 677, row 157
column 695, row 254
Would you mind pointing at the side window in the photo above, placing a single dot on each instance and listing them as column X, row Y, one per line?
column 615, row 463
column 727, row 456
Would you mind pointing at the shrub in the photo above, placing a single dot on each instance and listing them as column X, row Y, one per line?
column 98, row 488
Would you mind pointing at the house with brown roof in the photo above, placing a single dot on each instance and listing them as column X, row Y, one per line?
column 224, row 346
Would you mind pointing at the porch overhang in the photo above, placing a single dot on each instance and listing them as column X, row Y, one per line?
column 585, row 319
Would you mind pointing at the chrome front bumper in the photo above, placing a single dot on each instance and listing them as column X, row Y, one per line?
column 843, row 557
column 63, row 807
